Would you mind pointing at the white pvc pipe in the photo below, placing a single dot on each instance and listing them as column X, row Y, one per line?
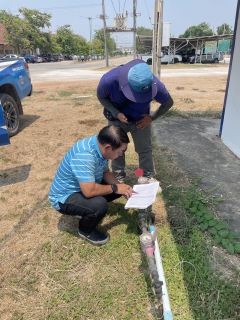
column 167, row 313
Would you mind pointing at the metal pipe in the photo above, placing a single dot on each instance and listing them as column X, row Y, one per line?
column 147, row 246
column 167, row 313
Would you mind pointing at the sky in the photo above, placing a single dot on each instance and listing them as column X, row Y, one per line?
column 182, row 14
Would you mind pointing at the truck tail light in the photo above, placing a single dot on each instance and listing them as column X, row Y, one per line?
column 27, row 69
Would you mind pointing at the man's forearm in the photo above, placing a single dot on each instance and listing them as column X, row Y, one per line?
column 163, row 108
column 108, row 105
column 109, row 177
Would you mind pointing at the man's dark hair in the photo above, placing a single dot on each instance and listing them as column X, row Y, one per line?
column 113, row 135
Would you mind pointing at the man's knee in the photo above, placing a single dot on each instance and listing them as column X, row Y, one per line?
column 100, row 206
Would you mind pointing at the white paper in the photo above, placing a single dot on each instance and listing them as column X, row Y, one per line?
column 144, row 198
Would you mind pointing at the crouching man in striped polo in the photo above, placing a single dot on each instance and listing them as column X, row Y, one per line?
column 83, row 184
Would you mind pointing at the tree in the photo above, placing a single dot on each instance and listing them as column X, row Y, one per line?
column 144, row 31
column 15, row 31
column 224, row 29
column 25, row 32
column 141, row 31
column 201, row 30
column 98, row 46
column 36, row 21
column 70, row 42
column 49, row 43
column 99, row 35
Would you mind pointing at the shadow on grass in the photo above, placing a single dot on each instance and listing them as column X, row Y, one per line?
column 27, row 120
column 14, row 175
column 116, row 215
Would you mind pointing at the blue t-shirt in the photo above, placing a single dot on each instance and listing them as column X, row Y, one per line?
column 108, row 87
column 82, row 163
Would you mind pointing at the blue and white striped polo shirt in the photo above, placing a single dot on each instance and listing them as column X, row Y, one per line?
column 82, row 163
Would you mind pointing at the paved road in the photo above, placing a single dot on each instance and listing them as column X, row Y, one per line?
column 69, row 70
column 199, row 152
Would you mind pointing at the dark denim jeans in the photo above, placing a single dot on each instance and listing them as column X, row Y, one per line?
column 92, row 210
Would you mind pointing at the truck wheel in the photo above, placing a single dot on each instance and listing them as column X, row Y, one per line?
column 176, row 60
column 216, row 60
column 149, row 61
column 11, row 113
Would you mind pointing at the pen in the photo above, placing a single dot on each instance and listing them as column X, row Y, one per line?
column 135, row 192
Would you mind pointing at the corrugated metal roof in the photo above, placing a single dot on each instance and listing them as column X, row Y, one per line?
column 147, row 41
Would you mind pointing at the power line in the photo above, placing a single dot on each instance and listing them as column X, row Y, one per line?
column 114, row 7
column 148, row 13
column 66, row 7
column 124, row 6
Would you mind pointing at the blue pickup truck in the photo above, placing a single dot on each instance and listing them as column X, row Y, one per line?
column 15, row 85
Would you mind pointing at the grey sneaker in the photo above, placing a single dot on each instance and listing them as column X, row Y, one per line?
column 152, row 180
column 94, row 237
column 120, row 180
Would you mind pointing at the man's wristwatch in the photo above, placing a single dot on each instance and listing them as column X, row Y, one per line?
column 114, row 188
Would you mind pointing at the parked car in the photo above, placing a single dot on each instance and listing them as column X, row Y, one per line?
column 15, row 85
column 30, row 58
column 9, row 56
column 40, row 58
column 147, row 57
column 207, row 58
column 67, row 57
column 186, row 54
column 72, row 57
column 58, row 57
column 48, row 57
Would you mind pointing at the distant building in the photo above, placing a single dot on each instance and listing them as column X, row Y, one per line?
column 128, row 50
column 4, row 49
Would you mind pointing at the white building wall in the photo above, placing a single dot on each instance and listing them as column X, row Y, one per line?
column 230, row 124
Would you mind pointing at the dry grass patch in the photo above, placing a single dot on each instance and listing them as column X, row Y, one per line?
column 200, row 94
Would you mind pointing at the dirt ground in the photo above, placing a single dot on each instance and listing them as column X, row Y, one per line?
column 55, row 117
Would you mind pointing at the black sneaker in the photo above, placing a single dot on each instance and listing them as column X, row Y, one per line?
column 94, row 237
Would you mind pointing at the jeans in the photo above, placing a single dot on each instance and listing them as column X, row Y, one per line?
column 143, row 146
column 92, row 210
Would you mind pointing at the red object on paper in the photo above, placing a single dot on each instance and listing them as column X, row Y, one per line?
column 139, row 172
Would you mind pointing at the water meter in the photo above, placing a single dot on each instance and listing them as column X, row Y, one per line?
column 147, row 243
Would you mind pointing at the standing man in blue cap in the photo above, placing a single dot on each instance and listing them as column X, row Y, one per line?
column 126, row 93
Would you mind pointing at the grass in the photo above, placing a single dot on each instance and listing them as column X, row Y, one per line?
column 211, row 294
column 174, row 112
column 179, row 65
column 47, row 272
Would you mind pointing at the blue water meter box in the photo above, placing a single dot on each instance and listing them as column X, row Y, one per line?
column 4, row 138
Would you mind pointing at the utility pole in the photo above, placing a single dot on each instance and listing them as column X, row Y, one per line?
column 90, row 28
column 105, row 33
column 119, row 26
column 134, row 28
column 157, row 37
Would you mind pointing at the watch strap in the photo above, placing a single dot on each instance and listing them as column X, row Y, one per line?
column 114, row 188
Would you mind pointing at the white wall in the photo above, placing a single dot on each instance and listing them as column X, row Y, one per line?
column 230, row 124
